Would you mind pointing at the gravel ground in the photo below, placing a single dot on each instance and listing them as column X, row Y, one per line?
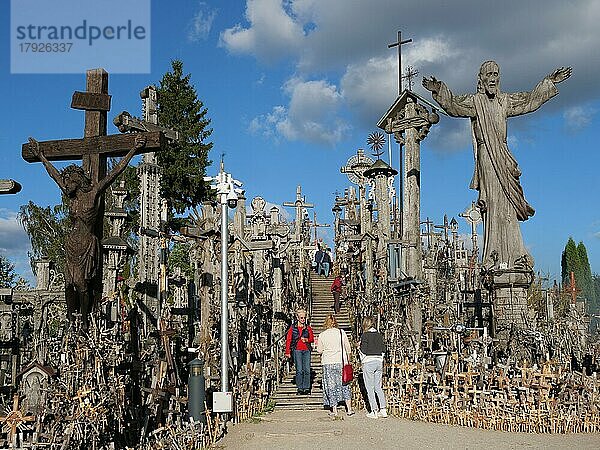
column 315, row 429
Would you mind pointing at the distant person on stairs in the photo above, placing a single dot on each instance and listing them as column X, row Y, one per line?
column 371, row 357
column 319, row 259
column 326, row 263
column 298, row 344
column 336, row 290
column 329, row 345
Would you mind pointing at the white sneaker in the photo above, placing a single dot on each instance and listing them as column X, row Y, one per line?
column 372, row 415
column 382, row 413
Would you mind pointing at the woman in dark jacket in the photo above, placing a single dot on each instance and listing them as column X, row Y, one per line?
column 371, row 356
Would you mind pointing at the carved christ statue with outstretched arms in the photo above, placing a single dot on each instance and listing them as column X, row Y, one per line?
column 497, row 173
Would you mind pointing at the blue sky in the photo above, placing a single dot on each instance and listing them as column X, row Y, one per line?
column 294, row 88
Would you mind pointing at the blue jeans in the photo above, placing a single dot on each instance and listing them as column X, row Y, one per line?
column 325, row 268
column 372, row 372
column 302, row 363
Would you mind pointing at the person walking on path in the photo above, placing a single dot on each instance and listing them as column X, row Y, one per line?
column 326, row 263
column 336, row 290
column 319, row 259
column 371, row 356
column 329, row 345
column 298, row 344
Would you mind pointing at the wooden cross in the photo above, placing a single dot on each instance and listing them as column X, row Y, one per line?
column 96, row 146
column 572, row 289
column 15, row 419
column 399, row 44
column 444, row 227
column 299, row 204
column 428, row 224
column 317, row 225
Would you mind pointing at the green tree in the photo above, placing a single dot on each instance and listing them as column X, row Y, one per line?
column 595, row 308
column 584, row 277
column 569, row 261
column 575, row 259
column 180, row 257
column 9, row 278
column 47, row 228
column 184, row 162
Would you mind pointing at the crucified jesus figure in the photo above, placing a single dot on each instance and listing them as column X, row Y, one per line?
column 496, row 177
column 82, row 247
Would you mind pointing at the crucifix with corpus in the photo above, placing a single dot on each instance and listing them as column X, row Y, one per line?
column 84, row 187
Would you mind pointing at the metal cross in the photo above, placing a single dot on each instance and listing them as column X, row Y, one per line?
column 409, row 75
column 398, row 44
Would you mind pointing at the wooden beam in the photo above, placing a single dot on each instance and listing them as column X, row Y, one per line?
column 113, row 145
column 90, row 101
column 9, row 187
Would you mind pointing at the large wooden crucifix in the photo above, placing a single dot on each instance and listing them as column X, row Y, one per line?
column 84, row 187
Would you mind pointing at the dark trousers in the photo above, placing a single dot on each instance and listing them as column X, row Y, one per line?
column 336, row 302
column 302, row 363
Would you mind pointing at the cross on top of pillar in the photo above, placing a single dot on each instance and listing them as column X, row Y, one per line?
column 410, row 73
column 300, row 205
column 399, row 44
column 356, row 166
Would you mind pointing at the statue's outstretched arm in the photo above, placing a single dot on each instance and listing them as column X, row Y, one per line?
column 560, row 74
column 432, row 84
column 140, row 142
column 52, row 171
column 453, row 105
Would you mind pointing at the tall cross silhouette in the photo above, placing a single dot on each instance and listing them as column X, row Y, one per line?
column 398, row 44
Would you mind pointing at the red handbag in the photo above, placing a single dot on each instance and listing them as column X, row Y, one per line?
column 347, row 370
column 347, row 374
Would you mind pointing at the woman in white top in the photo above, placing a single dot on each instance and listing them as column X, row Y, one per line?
column 329, row 345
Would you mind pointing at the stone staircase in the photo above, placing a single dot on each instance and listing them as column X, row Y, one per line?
column 321, row 306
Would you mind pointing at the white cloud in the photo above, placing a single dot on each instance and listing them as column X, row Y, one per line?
column 312, row 114
column 12, row 235
column 201, row 23
column 451, row 135
column 369, row 87
column 346, row 41
column 14, row 243
column 273, row 32
column 578, row 117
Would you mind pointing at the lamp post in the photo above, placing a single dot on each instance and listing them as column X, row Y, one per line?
column 227, row 193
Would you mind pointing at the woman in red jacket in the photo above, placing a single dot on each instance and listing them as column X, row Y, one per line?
column 299, row 340
column 336, row 290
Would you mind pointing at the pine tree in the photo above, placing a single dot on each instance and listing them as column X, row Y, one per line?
column 595, row 308
column 585, row 274
column 184, row 162
column 569, row 262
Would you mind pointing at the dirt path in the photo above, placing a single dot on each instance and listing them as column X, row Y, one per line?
column 316, row 430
